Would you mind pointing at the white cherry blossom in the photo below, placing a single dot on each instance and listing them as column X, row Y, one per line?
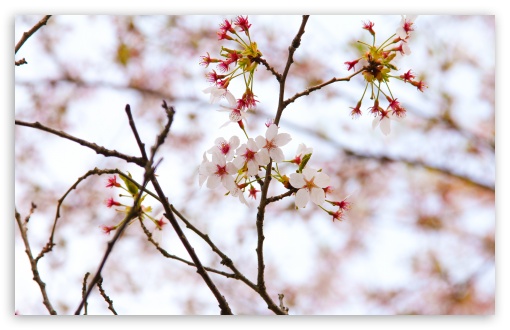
column 406, row 26
column 310, row 184
column 217, row 93
column 270, row 145
column 248, row 155
column 217, row 171
column 227, row 149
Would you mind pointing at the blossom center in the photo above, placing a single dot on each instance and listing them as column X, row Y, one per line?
column 249, row 155
column 224, row 147
column 221, row 170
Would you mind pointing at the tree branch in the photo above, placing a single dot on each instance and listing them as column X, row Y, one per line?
column 30, row 32
column 33, row 262
column 98, row 149
column 319, row 86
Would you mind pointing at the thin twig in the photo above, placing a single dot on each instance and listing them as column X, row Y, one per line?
column 296, row 42
column 105, row 296
column 98, row 149
column 84, row 291
column 33, row 263
column 30, row 32
column 171, row 256
column 319, row 86
column 279, row 197
column 141, row 145
column 269, row 67
column 133, row 213
column 49, row 246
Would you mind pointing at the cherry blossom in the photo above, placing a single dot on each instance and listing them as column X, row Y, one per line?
column 302, row 150
column 406, row 26
column 217, row 93
column 227, row 149
column 238, row 192
column 310, row 184
column 217, row 171
column 383, row 120
column 270, row 145
column 235, row 114
column 247, row 155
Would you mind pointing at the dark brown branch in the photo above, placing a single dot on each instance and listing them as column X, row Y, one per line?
column 133, row 213
column 30, row 32
column 20, row 62
column 98, row 149
column 105, row 296
column 171, row 256
column 270, row 68
column 49, row 246
column 296, row 42
column 319, row 86
column 135, row 132
column 84, row 291
column 282, row 196
column 33, row 263
column 267, row 179
column 224, row 307
column 226, row 261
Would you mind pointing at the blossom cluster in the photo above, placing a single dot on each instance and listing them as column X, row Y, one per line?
column 234, row 63
column 132, row 191
column 377, row 68
column 236, row 166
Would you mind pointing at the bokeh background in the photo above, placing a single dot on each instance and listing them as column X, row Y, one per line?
column 419, row 238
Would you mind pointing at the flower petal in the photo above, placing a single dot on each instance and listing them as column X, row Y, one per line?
column 317, row 196
column 385, row 126
column 296, row 180
column 321, row 180
column 263, row 157
column 261, row 141
column 302, row 198
column 282, row 139
column 271, row 132
column 277, row 155
column 213, row 181
column 234, row 142
column 309, row 173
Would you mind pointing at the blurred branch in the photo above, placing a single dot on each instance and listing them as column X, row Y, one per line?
column 69, row 79
column 33, row 263
column 30, row 32
column 98, row 149
column 394, row 159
